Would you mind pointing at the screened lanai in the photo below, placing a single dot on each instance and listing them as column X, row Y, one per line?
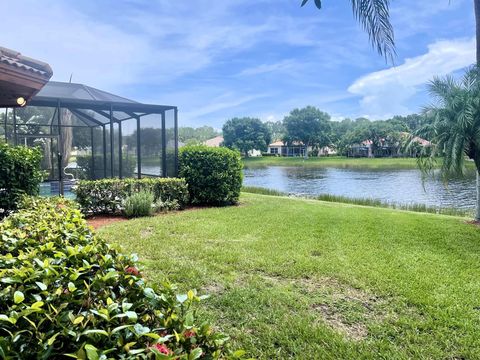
column 86, row 133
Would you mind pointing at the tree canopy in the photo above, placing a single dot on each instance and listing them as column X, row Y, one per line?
column 309, row 125
column 245, row 134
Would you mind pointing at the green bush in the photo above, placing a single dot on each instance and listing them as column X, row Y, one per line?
column 214, row 175
column 139, row 204
column 20, row 175
column 64, row 293
column 108, row 196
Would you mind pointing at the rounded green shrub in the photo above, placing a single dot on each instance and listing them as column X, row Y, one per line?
column 139, row 204
column 107, row 196
column 64, row 292
column 20, row 174
column 214, row 175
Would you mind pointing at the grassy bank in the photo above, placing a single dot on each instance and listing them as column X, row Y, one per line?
column 333, row 161
column 367, row 202
column 306, row 279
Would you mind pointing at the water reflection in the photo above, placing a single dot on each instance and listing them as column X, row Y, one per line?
column 397, row 186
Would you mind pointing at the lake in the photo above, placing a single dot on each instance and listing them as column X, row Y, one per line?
column 393, row 186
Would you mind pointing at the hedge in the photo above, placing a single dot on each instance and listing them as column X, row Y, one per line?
column 108, row 196
column 20, row 174
column 64, row 292
column 214, row 175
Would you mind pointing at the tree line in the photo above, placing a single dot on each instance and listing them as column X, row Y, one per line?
column 315, row 129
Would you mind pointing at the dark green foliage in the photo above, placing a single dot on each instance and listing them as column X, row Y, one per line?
column 139, row 204
column 214, row 175
column 245, row 134
column 108, row 196
column 20, row 174
column 65, row 292
column 189, row 135
column 308, row 126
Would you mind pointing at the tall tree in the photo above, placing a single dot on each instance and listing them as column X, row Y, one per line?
column 455, row 126
column 276, row 129
column 309, row 125
column 245, row 134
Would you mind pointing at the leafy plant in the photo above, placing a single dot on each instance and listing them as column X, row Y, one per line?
column 139, row 204
column 64, row 292
column 20, row 174
column 167, row 205
column 214, row 175
column 108, row 196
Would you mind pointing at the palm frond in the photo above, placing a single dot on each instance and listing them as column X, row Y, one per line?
column 374, row 17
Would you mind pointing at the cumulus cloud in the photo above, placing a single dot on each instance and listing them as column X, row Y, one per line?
column 387, row 92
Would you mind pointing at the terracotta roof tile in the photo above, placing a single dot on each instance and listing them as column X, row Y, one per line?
column 14, row 58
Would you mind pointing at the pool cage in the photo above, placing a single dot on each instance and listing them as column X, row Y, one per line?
column 86, row 133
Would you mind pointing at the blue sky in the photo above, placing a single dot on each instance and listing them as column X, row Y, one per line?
column 219, row 59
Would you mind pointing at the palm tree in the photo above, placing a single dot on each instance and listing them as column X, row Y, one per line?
column 455, row 129
column 455, row 126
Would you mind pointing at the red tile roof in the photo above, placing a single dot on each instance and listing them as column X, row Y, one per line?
column 15, row 59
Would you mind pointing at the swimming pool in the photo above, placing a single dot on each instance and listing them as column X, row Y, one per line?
column 52, row 188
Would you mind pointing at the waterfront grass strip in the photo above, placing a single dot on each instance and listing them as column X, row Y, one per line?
column 365, row 202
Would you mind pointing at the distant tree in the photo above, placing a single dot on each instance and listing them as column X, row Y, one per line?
column 190, row 135
column 245, row 134
column 309, row 125
column 276, row 129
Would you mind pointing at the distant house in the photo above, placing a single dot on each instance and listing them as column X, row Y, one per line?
column 214, row 142
column 218, row 141
column 296, row 149
column 364, row 149
column 367, row 149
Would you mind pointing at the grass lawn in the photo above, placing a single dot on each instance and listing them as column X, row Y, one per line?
column 305, row 279
column 333, row 161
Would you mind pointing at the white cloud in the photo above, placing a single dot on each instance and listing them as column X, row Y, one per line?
column 387, row 92
column 228, row 101
column 96, row 53
column 280, row 66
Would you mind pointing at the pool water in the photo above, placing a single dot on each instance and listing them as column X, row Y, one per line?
column 52, row 188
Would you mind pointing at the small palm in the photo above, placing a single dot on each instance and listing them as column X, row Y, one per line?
column 455, row 124
column 456, row 119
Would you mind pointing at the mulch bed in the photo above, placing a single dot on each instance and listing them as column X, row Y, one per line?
column 473, row 222
column 101, row 220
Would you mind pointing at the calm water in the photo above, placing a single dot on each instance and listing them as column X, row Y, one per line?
column 396, row 186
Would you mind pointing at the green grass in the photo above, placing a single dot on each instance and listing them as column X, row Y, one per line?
column 333, row 161
column 262, row 191
column 307, row 279
column 366, row 202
